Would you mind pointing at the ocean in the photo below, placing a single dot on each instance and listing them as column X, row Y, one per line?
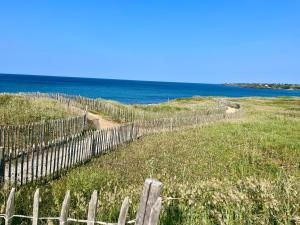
column 128, row 91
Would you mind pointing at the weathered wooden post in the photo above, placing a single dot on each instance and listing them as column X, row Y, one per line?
column 35, row 211
column 150, row 195
column 64, row 213
column 2, row 165
column 93, row 153
column 92, row 209
column 10, row 207
column 123, row 212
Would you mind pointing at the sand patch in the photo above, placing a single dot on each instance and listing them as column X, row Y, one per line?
column 100, row 122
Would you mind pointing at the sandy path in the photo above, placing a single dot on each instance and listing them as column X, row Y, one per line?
column 100, row 122
column 231, row 110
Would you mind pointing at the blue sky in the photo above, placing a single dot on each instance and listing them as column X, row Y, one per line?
column 190, row 41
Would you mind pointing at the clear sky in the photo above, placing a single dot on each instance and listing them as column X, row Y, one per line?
column 192, row 41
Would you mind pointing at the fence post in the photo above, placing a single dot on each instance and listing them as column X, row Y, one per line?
column 123, row 212
column 64, row 213
column 93, row 146
column 92, row 209
column 10, row 207
column 2, row 165
column 150, row 194
column 35, row 212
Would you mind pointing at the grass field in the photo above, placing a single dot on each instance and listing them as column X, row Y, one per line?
column 16, row 110
column 244, row 171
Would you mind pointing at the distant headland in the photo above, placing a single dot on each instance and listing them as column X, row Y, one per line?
column 266, row 85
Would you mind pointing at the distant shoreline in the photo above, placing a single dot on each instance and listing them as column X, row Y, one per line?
column 265, row 86
column 129, row 92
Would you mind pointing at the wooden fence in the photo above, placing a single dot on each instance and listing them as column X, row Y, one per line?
column 122, row 114
column 48, row 160
column 117, row 112
column 177, row 123
column 45, row 150
column 13, row 138
column 147, row 213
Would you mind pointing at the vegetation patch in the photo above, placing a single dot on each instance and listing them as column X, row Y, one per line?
column 244, row 171
column 16, row 110
column 163, row 107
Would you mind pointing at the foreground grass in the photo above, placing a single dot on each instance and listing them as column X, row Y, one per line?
column 15, row 110
column 244, row 171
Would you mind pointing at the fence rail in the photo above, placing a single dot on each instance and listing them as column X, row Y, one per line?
column 147, row 213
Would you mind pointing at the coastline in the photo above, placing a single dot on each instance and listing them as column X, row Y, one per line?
column 291, row 87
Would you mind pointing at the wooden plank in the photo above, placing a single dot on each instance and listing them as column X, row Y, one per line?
column 143, row 202
column 92, row 209
column 37, row 161
column 151, row 192
column 32, row 163
column 10, row 207
column 51, row 157
column 64, row 213
column 2, row 165
column 16, row 166
column 47, row 159
column 35, row 211
column 27, row 164
column 123, row 212
column 155, row 211
column 69, row 154
column 62, row 157
column 22, row 167
column 72, row 152
column 69, row 151
column 9, row 167
column 77, row 144
column 42, row 160
column 93, row 152
column 54, row 160
column 58, row 158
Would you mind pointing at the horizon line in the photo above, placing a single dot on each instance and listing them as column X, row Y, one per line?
column 98, row 78
column 155, row 81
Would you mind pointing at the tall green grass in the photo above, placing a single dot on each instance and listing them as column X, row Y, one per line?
column 15, row 110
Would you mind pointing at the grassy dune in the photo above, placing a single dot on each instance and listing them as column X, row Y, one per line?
column 175, row 108
column 245, row 171
column 15, row 110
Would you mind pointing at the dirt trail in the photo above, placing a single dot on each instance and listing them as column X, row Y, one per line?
column 100, row 122
column 231, row 110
